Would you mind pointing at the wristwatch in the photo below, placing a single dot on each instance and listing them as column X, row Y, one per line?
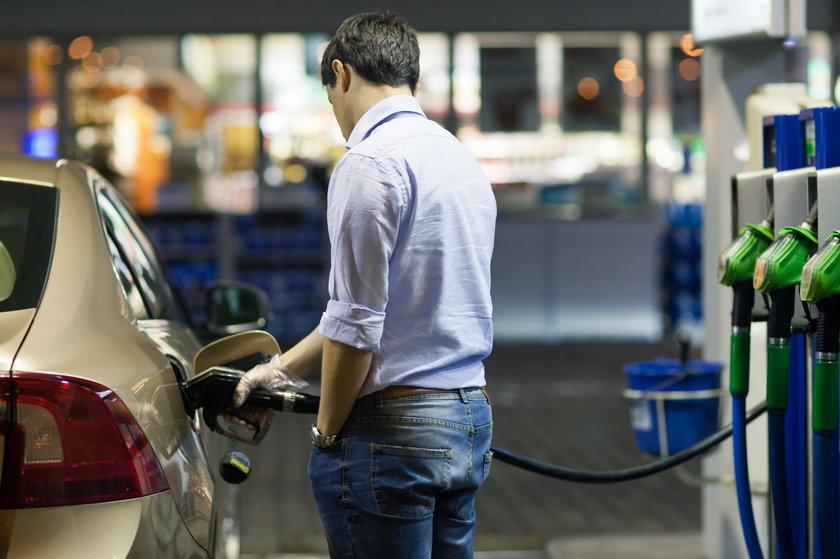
column 322, row 441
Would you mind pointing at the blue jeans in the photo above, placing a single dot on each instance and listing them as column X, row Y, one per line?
column 401, row 482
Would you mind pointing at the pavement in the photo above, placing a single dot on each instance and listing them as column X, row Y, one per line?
column 560, row 404
column 652, row 546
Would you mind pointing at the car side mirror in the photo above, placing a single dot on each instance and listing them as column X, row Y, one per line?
column 234, row 307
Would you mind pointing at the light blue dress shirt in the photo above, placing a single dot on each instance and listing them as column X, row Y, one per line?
column 411, row 222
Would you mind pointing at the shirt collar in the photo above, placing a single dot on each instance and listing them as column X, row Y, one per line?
column 381, row 112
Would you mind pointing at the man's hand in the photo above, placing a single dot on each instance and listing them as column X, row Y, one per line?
column 270, row 376
column 251, row 418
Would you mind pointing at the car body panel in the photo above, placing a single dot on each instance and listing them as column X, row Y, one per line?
column 178, row 431
column 135, row 528
column 13, row 328
column 32, row 170
column 84, row 327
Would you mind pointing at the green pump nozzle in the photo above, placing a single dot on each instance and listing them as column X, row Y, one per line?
column 777, row 272
column 735, row 269
column 781, row 264
column 821, row 285
column 820, row 275
column 737, row 261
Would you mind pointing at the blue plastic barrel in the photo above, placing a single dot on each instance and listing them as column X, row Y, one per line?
column 686, row 400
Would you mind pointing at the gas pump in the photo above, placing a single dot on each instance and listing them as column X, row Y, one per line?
column 777, row 275
column 735, row 269
column 752, row 218
column 821, row 286
column 774, row 277
column 751, row 206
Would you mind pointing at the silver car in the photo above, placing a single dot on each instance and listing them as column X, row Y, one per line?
column 101, row 453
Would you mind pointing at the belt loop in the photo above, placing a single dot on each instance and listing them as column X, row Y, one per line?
column 380, row 402
column 463, row 394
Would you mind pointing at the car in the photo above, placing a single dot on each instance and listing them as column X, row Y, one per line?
column 102, row 453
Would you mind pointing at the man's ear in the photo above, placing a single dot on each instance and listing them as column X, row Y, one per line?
column 342, row 74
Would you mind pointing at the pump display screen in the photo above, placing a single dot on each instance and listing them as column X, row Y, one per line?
column 809, row 134
column 769, row 146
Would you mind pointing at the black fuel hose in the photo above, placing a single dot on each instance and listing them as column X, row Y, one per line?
column 308, row 403
column 613, row 476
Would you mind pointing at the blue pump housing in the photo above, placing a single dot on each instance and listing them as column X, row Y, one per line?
column 821, row 136
column 783, row 142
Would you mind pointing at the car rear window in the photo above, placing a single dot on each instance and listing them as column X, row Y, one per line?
column 27, row 233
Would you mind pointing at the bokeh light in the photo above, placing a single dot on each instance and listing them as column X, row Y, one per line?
column 295, row 173
column 110, row 56
column 588, row 88
column 133, row 62
column 688, row 47
column 689, row 69
column 92, row 62
column 48, row 115
column 53, row 55
column 634, row 87
column 625, row 70
column 80, row 47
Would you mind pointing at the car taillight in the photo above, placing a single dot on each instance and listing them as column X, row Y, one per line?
column 71, row 441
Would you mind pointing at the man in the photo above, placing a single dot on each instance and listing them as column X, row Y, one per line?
column 402, row 438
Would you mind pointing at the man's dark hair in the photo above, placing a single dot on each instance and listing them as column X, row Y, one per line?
column 380, row 46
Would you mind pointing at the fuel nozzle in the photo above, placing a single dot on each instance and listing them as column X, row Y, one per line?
column 820, row 274
column 737, row 261
column 213, row 391
column 777, row 272
column 735, row 269
column 780, row 265
column 821, row 285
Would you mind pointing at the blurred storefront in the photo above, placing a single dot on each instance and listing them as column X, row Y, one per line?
column 225, row 143
column 206, row 122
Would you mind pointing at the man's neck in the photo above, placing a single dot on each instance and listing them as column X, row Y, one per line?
column 370, row 95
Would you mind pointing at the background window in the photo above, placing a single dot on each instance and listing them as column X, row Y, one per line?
column 508, row 89
column 591, row 91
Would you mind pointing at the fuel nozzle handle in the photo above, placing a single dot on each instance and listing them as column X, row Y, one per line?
column 739, row 373
column 778, row 348
column 281, row 400
column 782, row 302
column 742, row 304
column 825, row 410
column 212, row 391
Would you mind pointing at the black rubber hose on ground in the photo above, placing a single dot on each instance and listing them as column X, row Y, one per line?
column 613, row 476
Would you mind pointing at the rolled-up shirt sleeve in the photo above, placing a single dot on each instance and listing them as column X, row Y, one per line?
column 364, row 205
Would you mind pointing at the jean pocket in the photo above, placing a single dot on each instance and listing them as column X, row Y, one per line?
column 405, row 479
